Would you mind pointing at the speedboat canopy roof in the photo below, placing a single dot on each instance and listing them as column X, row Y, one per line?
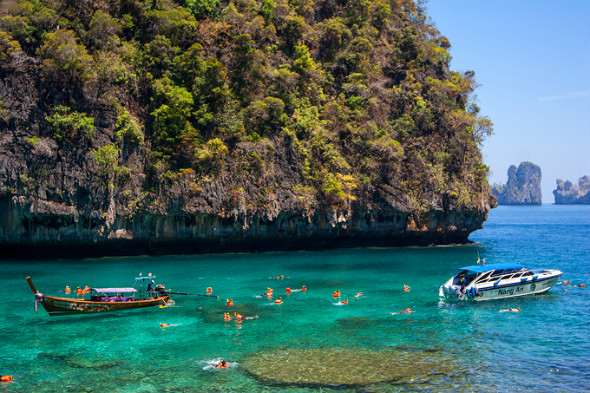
column 497, row 266
column 113, row 290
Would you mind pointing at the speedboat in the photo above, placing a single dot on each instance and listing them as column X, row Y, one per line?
column 498, row 281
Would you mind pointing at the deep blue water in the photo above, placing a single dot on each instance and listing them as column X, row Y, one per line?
column 545, row 347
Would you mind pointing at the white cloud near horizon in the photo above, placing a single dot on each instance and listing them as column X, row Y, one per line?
column 575, row 94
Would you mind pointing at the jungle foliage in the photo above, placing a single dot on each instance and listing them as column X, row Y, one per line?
column 360, row 90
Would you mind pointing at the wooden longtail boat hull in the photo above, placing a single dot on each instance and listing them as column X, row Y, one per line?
column 67, row 306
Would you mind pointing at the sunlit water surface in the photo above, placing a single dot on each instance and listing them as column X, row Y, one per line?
column 545, row 347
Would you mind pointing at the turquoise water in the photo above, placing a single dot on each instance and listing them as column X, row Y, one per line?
column 545, row 347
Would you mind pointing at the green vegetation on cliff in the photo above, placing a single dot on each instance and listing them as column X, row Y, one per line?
column 238, row 107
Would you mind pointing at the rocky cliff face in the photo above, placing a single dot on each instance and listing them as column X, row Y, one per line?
column 573, row 194
column 523, row 186
column 359, row 150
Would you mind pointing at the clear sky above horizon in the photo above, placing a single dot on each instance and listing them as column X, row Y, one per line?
column 532, row 61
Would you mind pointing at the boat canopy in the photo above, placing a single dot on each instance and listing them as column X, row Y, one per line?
column 113, row 290
column 497, row 266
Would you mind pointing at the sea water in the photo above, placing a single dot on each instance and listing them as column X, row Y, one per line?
column 544, row 347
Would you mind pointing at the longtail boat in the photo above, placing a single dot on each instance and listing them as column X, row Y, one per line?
column 96, row 300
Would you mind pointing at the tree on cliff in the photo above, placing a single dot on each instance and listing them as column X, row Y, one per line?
column 523, row 186
column 304, row 107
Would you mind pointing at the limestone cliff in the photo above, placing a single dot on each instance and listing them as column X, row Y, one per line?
column 573, row 194
column 131, row 127
column 523, row 186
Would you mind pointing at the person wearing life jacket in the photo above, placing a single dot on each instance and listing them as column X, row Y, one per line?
column 288, row 291
column 222, row 364
column 239, row 317
column 79, row 291
column 164, row 325
column 278, row 301
column 6, row 378
column 358, row 294
column 406, row 311
column 209, row 290
column 226, row 316
column 336, row 294
column 344, row 301
column 304, row 288
column 230, row 302
column 68, row 290
column 406, row 288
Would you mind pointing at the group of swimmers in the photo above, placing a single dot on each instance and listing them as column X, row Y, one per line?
column 79, row 291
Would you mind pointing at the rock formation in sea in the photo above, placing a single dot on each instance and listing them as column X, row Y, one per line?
column 523, row 186
column 573, row 194
column 132, row 127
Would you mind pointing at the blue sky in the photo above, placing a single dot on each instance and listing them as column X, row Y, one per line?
column 532, row 61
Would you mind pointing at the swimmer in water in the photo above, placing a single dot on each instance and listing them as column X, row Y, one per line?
column 222, row 364
column 336, row 294
column 239, row 317
column 358, row 294
column 406, row 311
column 511, row 310
column 165, row 325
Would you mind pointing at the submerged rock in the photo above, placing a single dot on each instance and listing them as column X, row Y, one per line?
column 333, row 367
column 79, row 362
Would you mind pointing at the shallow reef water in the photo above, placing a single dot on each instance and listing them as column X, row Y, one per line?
column 314, row 342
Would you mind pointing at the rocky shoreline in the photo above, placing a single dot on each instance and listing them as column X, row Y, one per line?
column 63, row 233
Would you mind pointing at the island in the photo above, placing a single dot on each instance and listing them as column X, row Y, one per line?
column 523, row 186
column 573, row 194
column 188, row 127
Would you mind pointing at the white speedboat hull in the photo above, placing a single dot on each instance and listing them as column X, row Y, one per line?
column 479, row 283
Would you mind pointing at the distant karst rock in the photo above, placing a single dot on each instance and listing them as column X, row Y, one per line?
column 570, row 194
column 523, row 187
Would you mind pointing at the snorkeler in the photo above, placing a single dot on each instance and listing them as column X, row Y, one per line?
column 165, row 325
column 406, row 311
column 222, row 364
column 239, row 317
column 511, row 310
